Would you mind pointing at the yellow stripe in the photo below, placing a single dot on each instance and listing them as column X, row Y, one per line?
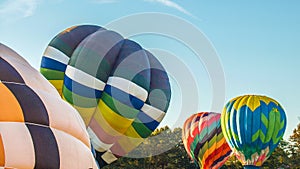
column 131, row 132
column 10, row 107
column 267, row 100
column 116, row 121
column 104, row 124
column 85, row 113
column 248, row 100
column 58, row 84
column 252, row 101
column 212, row 149
column 129, row 143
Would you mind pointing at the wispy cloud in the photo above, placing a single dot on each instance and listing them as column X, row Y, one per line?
column 18, row 8
column 104, row 1
column 24, row 8
column 171, row 4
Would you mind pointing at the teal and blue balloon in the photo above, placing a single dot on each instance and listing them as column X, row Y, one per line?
column 253, row 127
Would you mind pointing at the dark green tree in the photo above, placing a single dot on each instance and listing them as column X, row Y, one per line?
column 295, row 148
column 175, row 158
column 286, row 155
column 280, row 157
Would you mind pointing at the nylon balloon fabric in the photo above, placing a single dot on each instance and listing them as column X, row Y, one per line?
column 121, row 90
column 253, row 126
column 37, row 128
column 204, row 141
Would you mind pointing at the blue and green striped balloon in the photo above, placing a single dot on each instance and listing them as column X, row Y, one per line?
column 253, row 126
column 121, row 90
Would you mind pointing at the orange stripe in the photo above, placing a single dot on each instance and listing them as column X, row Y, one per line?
column 226, row 149
column 212, row 149
column 10, row 107
column 2, row 154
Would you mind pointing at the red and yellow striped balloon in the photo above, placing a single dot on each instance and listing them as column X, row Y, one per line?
column 204, row 141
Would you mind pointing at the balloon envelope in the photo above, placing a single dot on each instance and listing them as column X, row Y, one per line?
column 121, row 91
column 253, row 126
column 37, row 128
column 204, row 141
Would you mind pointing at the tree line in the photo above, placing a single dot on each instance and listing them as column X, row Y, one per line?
column 165, row 150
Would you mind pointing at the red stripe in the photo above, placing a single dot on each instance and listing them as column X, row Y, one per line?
column 219, row 152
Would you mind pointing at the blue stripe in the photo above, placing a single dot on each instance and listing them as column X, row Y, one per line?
column 53, row 64
column 241, row 123
column 265, row 112
column 249, row 123
column 256, row 125
column 148, row 121
column 124, row 97
column 80, row 89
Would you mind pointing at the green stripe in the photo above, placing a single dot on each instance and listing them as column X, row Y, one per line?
column 277, row 125
column 61, row 46
column 264, row 119
column 119, row 107
column 78, row 100
column 207, row 145
column 220, row 137
column 52, row 74
column 212, row 141
column 262, row 136
column 271, row 126
column 275, row 141
column 193, row 145
column 255, row 136
column 202, row 150
column 141, row 129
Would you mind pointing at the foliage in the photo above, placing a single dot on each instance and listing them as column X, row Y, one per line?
column 286, row 155
column 294, row 148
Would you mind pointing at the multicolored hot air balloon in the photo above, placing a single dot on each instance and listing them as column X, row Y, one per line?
column 204, row 141
column 121, row 91
column 253, row 126
column 37, row 128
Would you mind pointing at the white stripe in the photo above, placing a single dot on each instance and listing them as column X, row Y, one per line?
column 128, row 87
column 108, row 157
column 56, row 54
column 84, row 78
column 97, row 144
column 153, row 112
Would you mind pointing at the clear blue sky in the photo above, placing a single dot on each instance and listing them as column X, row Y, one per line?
column 257, row 41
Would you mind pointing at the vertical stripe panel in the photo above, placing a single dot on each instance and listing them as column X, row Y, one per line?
column 33, row 108
column 9, row 73
column 10, row 108
column 18, row 145
column 45, row 147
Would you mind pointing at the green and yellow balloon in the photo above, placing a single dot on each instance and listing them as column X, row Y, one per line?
column 253, row 126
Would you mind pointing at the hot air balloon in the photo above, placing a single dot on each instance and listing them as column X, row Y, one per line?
column 253, row 126
column 37, row 128
column 204, row 141
column 121, row 90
